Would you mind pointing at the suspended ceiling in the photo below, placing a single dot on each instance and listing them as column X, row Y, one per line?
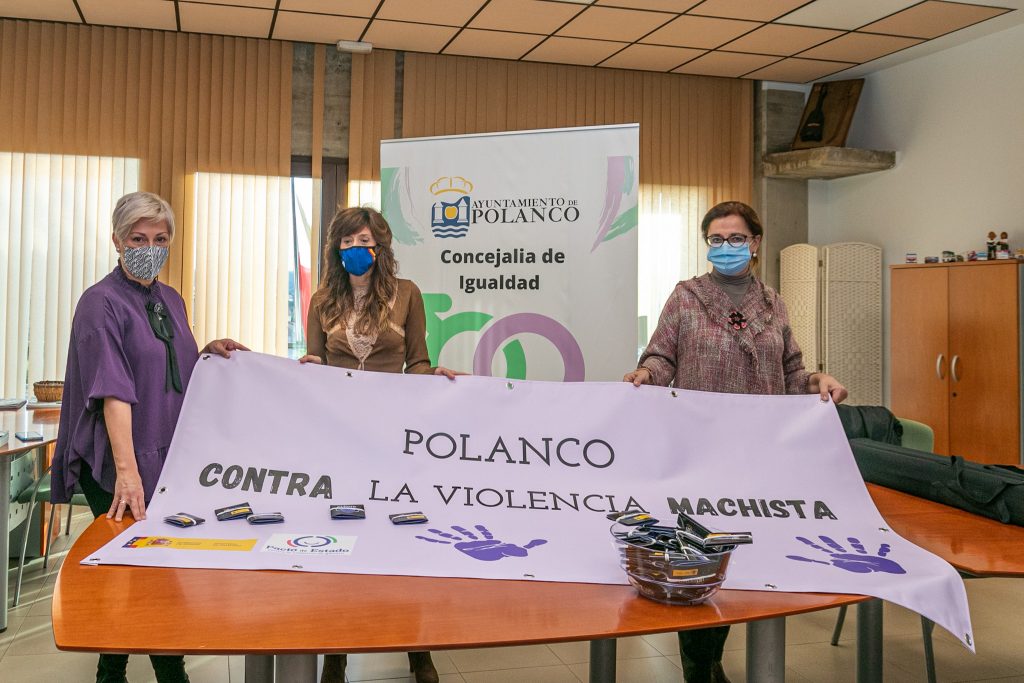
column 775, row 40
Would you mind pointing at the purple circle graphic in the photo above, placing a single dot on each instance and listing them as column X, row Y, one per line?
column 530, row 323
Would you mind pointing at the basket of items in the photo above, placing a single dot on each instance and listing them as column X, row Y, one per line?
column 680, row 565
column 49, row 391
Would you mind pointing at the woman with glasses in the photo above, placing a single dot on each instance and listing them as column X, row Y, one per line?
column 726, row 332
column 364, row 317
column 129, row 362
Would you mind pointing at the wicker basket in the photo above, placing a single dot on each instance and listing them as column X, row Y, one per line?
column 48, row 391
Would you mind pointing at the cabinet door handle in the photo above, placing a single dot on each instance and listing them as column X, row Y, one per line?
column 952, row 368
column 938, row 367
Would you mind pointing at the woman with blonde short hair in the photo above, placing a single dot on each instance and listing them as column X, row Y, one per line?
column 129, row 362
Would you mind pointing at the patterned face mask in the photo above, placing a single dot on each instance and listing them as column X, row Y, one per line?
column 144, row 262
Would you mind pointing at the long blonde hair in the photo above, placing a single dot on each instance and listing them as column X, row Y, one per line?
column 339, row 299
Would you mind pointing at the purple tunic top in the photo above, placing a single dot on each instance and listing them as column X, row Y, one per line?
column 114, row 352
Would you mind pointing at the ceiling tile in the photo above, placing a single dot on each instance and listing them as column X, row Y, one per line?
column 796, row 70
column 400, row 35
column 498, row 44
column 525, row 16
column 221, row 19
column 138, row 13
column 844, row 14
column 704, row 32
column 574, row 51
column 444, row 12
column 775, row 39
column 265, row 4
column 608, row 23
column 56, row 10
column 674, row 6
column 725, row 64
column 347, row 8
column 316, row 28
column 651, row 57
column 860, row 47
column 762, row 10
column 932, row 19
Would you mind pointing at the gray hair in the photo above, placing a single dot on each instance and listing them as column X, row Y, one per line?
column 141, row 206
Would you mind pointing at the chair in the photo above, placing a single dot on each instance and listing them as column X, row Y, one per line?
column 40, row 490
column 919, row 437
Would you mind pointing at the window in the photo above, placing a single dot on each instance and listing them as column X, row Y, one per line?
column 54, row 243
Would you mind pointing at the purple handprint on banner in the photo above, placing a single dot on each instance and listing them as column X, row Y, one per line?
column 487, row 548
column 859, row 562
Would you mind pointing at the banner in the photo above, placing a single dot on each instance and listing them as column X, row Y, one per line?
column 524, row 246
column 515, row 478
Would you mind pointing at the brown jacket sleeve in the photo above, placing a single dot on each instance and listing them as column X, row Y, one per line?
column 417, row 361
column 660, row 356
column 316, row 338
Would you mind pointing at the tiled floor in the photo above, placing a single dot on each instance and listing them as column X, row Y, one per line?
column 27, row 652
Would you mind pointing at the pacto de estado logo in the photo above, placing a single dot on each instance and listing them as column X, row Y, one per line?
column 449, row 216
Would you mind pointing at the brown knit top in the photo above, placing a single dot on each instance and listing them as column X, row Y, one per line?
column 400, row 347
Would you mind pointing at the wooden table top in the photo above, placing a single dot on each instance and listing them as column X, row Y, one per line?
column 145, row 609
column 974, row 545
column 23, row 420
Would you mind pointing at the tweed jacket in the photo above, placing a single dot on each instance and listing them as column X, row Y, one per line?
column 695, row 346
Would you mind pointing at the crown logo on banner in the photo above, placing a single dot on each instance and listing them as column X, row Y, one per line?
column 450, row 219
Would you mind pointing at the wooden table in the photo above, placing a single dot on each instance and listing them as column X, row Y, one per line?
column 975, row 546
column 191, row 611
column 11, row 421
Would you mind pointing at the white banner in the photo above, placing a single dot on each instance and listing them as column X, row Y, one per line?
column 516, row 478
column 524, row 246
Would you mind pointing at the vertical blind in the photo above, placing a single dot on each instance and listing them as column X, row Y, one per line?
column 179, row 103
column 54, row 243
column 243, row 249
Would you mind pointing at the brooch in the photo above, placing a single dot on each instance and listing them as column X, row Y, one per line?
column 737, row 321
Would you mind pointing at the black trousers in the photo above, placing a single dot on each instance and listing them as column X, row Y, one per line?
column 111, row 668
column 700, row 649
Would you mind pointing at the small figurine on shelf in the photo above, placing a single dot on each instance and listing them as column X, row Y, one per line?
column 911, row 257
column 990, row 243
column 931, row 259
column 972, row 255
column 948, row 257
column 1003, row 246
column 960, row 258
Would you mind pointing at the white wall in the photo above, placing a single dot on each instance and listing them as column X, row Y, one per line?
column 956, row 120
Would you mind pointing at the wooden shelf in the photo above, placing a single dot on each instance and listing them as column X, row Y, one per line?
column 826, row 163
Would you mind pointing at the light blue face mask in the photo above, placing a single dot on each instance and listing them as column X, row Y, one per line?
column 729, row 260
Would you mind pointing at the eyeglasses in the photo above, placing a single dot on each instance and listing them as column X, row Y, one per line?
column 735, row 240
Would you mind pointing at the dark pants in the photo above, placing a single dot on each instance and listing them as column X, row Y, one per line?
column 111, row 669
column 700, row 649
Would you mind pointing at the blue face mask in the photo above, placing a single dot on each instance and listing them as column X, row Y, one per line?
column 729, row 260
column 358, row 260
